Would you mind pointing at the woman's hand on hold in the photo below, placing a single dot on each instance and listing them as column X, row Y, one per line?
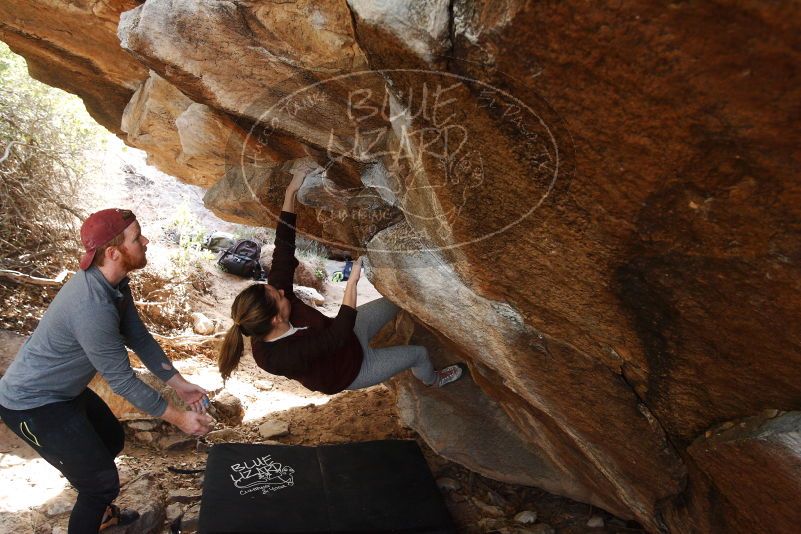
column 291, row 190
column 295, row 183
column 349, row 298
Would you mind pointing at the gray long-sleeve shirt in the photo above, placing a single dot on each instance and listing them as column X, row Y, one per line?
column 84, row 331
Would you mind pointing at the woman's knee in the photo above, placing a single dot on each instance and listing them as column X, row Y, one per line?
column 421, row 353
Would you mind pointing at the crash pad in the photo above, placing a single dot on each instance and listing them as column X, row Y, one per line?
column 374, row 486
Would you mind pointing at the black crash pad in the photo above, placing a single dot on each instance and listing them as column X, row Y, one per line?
column 375, row 486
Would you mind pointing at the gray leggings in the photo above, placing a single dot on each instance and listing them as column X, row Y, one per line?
column 379, row 365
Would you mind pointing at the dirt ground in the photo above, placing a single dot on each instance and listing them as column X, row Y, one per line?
column 35, row 498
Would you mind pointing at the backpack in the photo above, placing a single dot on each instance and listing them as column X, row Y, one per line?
column 242, row 259
column 218, row 241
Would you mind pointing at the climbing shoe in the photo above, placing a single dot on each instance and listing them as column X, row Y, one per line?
column 449, row 374
column 116, row 516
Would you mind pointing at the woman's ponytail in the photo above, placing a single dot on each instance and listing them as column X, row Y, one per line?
column 252, row 312
column 231, row 351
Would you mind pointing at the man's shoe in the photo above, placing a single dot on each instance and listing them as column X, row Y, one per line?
column 449, row 374
column 116, row 516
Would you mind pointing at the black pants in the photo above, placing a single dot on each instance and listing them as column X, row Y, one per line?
column 80, row 438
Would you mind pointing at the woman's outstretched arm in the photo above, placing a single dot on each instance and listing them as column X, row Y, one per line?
column 291, row 191
column 282, row 270
column 349, row 299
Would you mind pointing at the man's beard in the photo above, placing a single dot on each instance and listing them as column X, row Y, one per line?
column 129, row 263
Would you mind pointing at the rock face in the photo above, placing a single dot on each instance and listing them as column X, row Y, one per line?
column 763, row 491
column 182, row 138
column 73, row 46
column 594, row 206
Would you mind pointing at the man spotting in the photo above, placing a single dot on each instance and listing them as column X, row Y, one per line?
column 44, row 397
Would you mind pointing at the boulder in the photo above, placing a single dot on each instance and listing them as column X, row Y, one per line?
column 61, row 504
column 465, row 426
column 147, row 497
column 74, row 46
column 145, row 437
column 202, row 324
column 526, row 517
column 191, row 518
column 595, row 521
column 595, row 207
column 228, row 408
column 22, row 521
column 309, row 295
column 754, row 470
column 181, row 137
column 143, row 494
column 274, row 429
column 168, row 34
column 185, row 496
column 177, row 442
column 174, row 512
column 145, row 425
column 542, row 383
column 447, row 484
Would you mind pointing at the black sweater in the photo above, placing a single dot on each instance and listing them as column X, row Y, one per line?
column 324, row 357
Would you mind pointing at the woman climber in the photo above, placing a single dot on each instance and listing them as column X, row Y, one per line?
column 292, row 339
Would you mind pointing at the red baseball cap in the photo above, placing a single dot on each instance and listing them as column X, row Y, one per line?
column 100, row 228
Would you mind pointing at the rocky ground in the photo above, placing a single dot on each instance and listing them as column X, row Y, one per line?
column 255, row 407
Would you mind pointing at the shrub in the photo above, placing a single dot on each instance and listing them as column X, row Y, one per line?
column 187, row 231
column 46, row 139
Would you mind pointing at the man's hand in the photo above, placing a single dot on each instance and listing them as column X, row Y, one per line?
column 193, row 423
column 196, row 424
column 190, row 393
